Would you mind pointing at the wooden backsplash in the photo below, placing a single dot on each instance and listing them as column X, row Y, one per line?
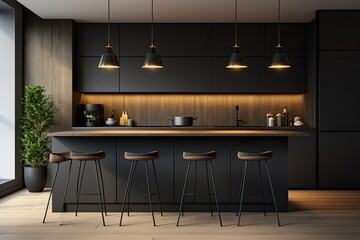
column 211, row 109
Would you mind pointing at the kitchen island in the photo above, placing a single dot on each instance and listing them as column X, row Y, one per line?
column 171, row 142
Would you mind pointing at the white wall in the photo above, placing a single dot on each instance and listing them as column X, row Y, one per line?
column 7, row 94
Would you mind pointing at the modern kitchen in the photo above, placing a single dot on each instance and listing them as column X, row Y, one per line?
column 180, row 119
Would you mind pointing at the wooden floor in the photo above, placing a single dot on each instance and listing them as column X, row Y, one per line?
column 313, row 215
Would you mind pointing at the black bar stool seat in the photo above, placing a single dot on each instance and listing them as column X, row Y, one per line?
column 259, row 157
column 207, row 157
column 84, row 158
column 58, row 158
column 135, row 158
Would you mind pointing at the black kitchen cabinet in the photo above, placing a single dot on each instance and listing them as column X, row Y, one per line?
column 92, row 39
column 163, row 165
column 338, row 163
column 339, row 91
column 293, row 38
column 221, row 167
column 90, row 78
column 339, row 30
column 180, row 74
column 302, row 161
column 287, row 80
column 250, row 80
column 89, row 185
column 250, row 39
column 135, row 39
column 179, row 40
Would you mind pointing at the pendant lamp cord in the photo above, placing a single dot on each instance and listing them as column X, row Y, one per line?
column 279, row 44
column 236, row 41
column 152, row 22
column 108, row 22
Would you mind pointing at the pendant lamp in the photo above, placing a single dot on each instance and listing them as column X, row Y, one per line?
column 108, row 58
column 236, row 59
column 152, row 59
column 279, row 59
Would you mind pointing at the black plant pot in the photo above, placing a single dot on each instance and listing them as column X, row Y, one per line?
column 35, row 178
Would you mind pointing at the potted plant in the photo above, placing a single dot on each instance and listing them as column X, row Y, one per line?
column 35, row 121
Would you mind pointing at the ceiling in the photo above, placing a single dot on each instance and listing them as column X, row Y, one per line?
column 184, row 10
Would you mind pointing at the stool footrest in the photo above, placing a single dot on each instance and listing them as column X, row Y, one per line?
column 199, row 194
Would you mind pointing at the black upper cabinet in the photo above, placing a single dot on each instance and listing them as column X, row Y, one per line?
column 92, row 39
column 339, row 91
column 339, row 30
column 250, row 39
column 293, row 38
column 90, row 78
column 288, row 80
column 183, row 39
column 250, row 80
column 180, row 74
column 134, row 39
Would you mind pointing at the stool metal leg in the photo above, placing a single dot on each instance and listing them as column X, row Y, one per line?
column 242, row 190
column 66, row 187
column 272, row 192
column 183, row 193
column 51, row 190
column 215, row 194
column 208, row 187
column 194, row 181
column 79, row 184
column 102, row 185
column 130, row 184
column 126, row 191
column 262, row 188
column 149, row 191
column 157, row 187
column 99, row 190
column 241, row 185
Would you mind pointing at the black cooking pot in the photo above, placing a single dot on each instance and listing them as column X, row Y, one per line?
column 182, row 121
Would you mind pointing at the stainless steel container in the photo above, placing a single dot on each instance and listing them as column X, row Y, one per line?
column 180, row 121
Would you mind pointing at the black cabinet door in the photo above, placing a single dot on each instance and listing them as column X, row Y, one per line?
column 164, row 169
column 293, row 38
column 339, row 30
column 92, row 39
column 302, row 161
column 181, row 74
column 338, row 162
column 288, row 80
column 183, row 39
column 250, row 39
column 90, row 78
column 339, row 91
column 250, row 80
column 221, row 169
column 134, row 39
column 89, row 187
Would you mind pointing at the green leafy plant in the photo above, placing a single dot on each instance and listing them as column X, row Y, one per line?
column 37, row 118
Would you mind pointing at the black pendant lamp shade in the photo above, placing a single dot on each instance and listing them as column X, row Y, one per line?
column 279, row 59
column 108, row 58
column 152, row 58
column 236, row 59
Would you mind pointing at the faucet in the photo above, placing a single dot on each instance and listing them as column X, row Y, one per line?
column 237, row 115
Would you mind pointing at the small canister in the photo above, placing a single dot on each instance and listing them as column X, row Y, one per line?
column 271, row 122
column 268, row 116
column 279, row 119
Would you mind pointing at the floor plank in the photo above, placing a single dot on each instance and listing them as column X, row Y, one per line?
column 314, row 215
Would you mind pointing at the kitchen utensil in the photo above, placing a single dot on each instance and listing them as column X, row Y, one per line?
column 180, row 121
column 110, row 122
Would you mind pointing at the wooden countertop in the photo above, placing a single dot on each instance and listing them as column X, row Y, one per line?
column 177, row 132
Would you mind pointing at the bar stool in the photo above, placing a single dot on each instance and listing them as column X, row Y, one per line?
column 135, row 158
column 84, row 158
column 196, row 157
column 58, row 158
column 259, row 157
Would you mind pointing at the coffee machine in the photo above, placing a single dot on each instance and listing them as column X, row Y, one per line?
column 91, row 115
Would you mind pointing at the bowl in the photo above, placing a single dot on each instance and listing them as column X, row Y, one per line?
column 110, row 122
